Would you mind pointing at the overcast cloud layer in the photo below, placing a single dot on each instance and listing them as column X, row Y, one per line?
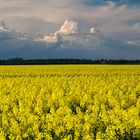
column 70, row 29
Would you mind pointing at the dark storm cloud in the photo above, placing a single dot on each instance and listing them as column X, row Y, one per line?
column 67, row 42
column 117, row 2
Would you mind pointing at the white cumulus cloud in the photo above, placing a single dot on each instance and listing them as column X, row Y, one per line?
column 51, row 39
column 68, row 37
column 3, row 26
column 68, row 27
column 93, row 30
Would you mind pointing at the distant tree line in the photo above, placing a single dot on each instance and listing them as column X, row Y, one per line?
column 21, row 61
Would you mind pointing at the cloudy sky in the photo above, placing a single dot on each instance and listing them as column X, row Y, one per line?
column 70, row 29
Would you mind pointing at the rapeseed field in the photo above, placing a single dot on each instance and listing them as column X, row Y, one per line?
column 70, row 102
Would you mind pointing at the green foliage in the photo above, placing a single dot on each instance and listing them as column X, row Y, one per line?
column 70, row 102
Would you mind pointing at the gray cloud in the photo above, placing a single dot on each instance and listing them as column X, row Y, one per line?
column 112, row 18
column 117, row 2
column 105, row 16
column 32, row 24
column 72, row 45
column 117, row 19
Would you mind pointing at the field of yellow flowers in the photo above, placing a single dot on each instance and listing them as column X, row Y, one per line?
column 70, row 102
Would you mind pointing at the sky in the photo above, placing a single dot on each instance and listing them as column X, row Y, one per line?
column 85, row 29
